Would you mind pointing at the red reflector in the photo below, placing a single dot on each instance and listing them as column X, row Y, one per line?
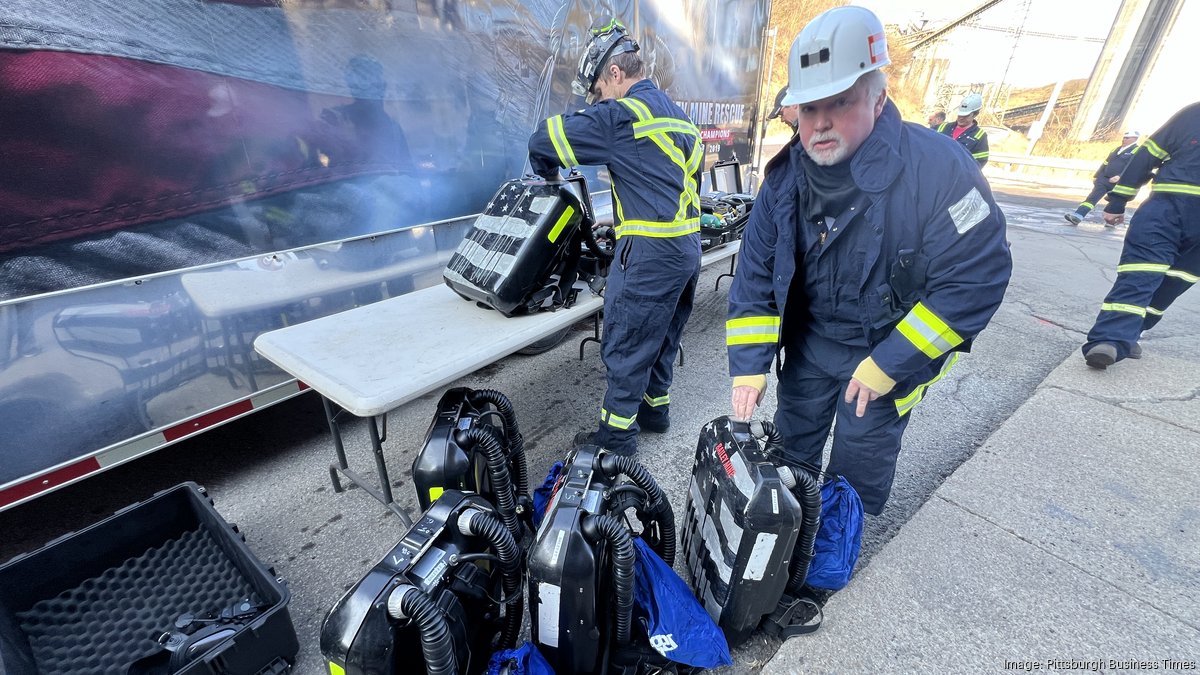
column 47, row 481
column 215, row 417
column 301, row 385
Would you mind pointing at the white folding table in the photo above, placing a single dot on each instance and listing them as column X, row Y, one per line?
column 372, row 359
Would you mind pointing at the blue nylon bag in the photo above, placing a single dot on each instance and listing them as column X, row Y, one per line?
column 836, row 549
column 675, row 622
column 525, row 660
column 541, row 495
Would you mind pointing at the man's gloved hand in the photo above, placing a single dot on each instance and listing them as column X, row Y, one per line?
column 867, row 384
column 748, row 392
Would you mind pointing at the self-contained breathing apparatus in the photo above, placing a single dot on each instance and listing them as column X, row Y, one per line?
column 522, row 254
column 724, row 211
column 474, row 444
column 448, row 593
column 750, row 526
column 581, row 565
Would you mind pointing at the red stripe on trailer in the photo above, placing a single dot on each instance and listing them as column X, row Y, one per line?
column 143, row 445
column 48, row 481
column 207, row 420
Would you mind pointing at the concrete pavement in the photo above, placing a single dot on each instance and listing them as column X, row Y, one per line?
column 1069, row 541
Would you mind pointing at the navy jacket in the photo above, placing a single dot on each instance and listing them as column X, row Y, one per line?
column 933, row 270
column 974, row 139
column 1174, row 150
column 1115, row 164
column 653, row 153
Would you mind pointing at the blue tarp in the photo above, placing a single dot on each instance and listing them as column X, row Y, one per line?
column 541, row 495
column 675, row 623
column 840, row 537
column 524, row 660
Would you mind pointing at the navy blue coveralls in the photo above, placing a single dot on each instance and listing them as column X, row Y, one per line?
column 654, row 156
column 908, row 276
column 972, row 138
column 1114, row 165
column 1161, row 256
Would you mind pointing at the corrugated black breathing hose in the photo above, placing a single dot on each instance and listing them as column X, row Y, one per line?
column 809, row 494
column 657, row 504
column 409, row 602
column 497, row 463
column 516, row 442
column 608, row 528
column 494, row 532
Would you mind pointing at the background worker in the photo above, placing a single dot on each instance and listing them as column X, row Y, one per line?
column 655, row 157
column 786, row 113
column 1161, row 256
column 870, row 278
column 1104, row 178
column 966, row 131
column 936, row 119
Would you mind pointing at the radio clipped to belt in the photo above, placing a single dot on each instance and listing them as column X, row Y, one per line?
column 442, row 600
column 749, row 531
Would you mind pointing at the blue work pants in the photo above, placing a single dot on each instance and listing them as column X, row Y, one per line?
column 647, row 300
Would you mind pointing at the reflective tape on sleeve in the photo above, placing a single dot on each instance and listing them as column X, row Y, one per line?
column 927, row 332
column 751, row 330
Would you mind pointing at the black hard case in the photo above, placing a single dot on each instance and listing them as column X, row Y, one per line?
column 741, row 528
column 514, row 247
column 94, row 601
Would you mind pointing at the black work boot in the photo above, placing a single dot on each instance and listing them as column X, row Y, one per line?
column 655, row 419
column 1135, row 352
column 607, row 440
column 1101, row 355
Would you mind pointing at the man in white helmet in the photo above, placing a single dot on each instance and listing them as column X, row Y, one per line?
column 966, row 131
column 868, row 279
column 1106, row 177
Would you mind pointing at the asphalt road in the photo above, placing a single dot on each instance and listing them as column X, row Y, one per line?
column 268, row 472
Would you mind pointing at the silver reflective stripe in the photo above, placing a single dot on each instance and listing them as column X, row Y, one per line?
column 505, row 225
column 969, row 211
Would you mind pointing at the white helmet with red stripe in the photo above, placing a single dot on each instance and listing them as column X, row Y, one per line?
column 833, row 51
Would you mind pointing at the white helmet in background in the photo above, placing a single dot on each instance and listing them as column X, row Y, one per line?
column 832, row 52
column 971, row 103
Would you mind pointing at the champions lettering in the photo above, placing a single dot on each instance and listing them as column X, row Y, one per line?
column 710, row 112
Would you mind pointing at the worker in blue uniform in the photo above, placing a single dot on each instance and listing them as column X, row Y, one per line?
column 655, row 156
column 966, row 130
column 868, row 278
column 1106, row 177
column 1161, row 256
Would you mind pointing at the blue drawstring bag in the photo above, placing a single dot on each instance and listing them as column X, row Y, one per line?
column 541, row 495
column 675, row 622
column 839, row 538
column 524, row 660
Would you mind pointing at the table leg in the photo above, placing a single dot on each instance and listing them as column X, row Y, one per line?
column 384, row 493
column 732, row 263
column 594, row 337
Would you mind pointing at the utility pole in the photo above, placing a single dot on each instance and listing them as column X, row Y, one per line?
column 1038, row 127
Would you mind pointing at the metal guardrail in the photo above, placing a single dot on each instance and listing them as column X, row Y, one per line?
column 1084, row 165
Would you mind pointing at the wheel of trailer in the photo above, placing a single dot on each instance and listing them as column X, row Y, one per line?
column 546, row 344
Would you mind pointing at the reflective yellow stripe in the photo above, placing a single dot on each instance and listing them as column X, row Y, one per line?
column 558, row 136
column 647, row 228
column 1121, row 307
column 1143, row 267
column 752, row 330
column 663, row 125
column 1177, row 188
column 435, row 492
column 978, row 134
column 657, row 401
column 1089, row 205
column 1125, row 190
column 980, row 155
column 927, row 332
column 906, row 404
column 1155, row 312
column 335, row 669
column 561, row 223
column 639, row 109
column 1180, row 274
column 1156, row 150
column 616, row 421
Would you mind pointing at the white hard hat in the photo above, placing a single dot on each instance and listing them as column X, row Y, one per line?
column 1131, row 133
column 970, row 103
column 832, row 51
